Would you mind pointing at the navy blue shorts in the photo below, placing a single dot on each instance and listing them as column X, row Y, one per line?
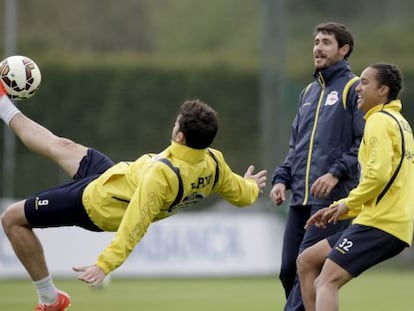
column 62, row 205
column 360, row 247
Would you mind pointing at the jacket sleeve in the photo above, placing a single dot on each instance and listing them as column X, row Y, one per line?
column 347, row 165
column 234, row 188
column 282, row 174
column 145, row 204
column 351, row 213
column 377, row 170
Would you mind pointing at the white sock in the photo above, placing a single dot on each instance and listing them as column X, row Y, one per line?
column 46, row 290
column 7, row 109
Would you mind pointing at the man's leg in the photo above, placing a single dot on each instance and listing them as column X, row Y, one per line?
column 292, row 238
column 29, row 250
column 66, row 153
column 309, row 265
column 312, row 236
column 354, row 251
column 24, row 242
column 327, row 285
column 38, row 139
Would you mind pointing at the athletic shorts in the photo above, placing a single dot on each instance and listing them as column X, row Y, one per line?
column 62, row 205
column 359, row 248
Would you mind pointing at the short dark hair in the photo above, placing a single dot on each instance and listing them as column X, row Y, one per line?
column 198, row 122
column 391, row 76
column 342, row 35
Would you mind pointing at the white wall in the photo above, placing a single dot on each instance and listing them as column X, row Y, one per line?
column 212, row 243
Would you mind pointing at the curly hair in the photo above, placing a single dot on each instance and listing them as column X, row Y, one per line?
column 199, row 123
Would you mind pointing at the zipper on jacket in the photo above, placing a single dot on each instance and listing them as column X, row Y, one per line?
column 312, row 137
column 122, row 200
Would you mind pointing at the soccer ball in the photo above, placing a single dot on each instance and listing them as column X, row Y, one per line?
column 20, row 76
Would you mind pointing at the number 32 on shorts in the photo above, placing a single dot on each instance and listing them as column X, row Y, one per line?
column 344, row 246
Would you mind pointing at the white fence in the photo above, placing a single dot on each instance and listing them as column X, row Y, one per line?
column 212, row 243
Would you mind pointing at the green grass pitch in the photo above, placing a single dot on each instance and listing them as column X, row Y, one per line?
column 378, row 290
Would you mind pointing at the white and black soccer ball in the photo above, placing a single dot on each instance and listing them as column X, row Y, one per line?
column 20, row 76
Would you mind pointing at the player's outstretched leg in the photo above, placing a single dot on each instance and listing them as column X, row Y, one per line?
column 25, row 243
column 38, row 139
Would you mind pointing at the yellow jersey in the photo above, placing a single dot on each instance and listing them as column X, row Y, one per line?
column 391, row 208
column 129, row 196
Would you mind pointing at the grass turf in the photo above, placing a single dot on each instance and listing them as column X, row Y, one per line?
column 377, row 290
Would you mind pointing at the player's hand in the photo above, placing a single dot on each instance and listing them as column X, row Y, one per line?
column 319, row 219
column 336, row 211
column 327, row 215
column 259, row 177
column 278, row 193
column 91, row 275
column 323, row 186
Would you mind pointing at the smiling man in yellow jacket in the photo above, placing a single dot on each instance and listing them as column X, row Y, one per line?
column 382, row 203
column 125, row 197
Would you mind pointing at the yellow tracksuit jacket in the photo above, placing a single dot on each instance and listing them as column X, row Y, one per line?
column 379, row 156
column 128, row 197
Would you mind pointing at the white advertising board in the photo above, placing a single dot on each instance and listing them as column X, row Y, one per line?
column 188, row 244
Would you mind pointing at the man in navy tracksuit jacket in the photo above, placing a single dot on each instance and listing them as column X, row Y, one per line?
column 321, row 165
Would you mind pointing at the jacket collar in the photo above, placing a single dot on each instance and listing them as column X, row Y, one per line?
column 185, row 153
column 332, row 71
column 394, row 105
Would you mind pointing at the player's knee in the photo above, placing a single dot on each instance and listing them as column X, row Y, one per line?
column 326, row 281
column 13, row 216
column 303, row 263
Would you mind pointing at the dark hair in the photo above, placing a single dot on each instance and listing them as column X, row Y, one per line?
column 389, row 75
column 342, row 35
column 199, row 123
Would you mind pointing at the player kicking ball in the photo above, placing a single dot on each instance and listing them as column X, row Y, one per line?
column 124, row 198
